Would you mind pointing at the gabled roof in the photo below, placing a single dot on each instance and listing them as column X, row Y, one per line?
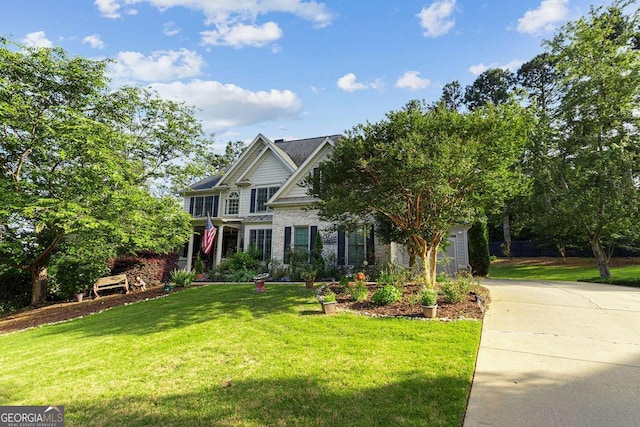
column 281, row 195
column 205, row 184
column 292, row 154
column 300, row 149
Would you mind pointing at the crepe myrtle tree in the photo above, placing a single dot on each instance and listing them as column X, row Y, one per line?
column 77, row 160
column 424, row 168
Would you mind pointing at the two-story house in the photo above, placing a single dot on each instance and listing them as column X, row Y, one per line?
column 260, row 201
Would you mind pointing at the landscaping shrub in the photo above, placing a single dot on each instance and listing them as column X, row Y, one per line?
column 387, row 295
column 243, row 261
column 296, row 259
column 242, row 275
column 182, row 277
column 277, row 270
column 76, row 275
column 393, row 274
column 457, row 290
column 479, row 249
column 317, row 260
column 15, row 289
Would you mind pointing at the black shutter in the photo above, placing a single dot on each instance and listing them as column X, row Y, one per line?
column 287, row 242
column 341, row 247
column 252, row 209
column 191, row 202
column 312, row 240
column 371, row 248
column 216, row 202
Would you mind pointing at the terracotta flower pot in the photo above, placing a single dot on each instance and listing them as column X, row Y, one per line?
column 78, row 297
column 309, row 283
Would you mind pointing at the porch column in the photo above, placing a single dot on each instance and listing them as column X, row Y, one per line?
column 219, row 235
column 190, row 251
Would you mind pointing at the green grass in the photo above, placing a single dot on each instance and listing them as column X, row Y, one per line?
column 560, row 272
column 224, row 355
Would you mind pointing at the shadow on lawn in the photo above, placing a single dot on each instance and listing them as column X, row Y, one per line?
column 193, row 306
column 415, row 400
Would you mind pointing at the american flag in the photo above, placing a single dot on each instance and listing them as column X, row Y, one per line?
column 209, row 236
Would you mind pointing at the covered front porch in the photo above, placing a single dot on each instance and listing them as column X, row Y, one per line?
column 227, row 242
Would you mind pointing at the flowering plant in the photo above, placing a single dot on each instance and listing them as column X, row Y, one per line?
column 359, row 289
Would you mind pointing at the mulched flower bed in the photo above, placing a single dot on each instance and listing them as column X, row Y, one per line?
column 408, row 307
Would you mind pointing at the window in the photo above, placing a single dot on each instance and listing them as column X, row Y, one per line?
column 200, row 206
column 301, row 238
column 260, row 196
column 232, row 204
column 198, row 209
column 356, row 248
column 261, row 240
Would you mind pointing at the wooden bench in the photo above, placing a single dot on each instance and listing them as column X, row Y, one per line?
column 111, row 282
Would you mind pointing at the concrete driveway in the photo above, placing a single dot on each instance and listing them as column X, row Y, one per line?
column 558, row 354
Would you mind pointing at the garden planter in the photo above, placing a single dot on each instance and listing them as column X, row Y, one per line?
column 78, row 297
column 429, row 311
column 329, row 307
column 309, row 284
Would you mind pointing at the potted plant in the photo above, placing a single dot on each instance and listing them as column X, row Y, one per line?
column 308, row 274
column 328, row 301
column 429, row 300
column 198, row 268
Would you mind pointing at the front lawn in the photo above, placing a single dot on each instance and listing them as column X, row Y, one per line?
column 225, row 355
column 573, row 269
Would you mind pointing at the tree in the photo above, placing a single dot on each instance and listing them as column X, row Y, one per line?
column 493, row 86
column 452, row 95
column 539, row 78
column 423, row 169
column 594, row 156
column 77, row 162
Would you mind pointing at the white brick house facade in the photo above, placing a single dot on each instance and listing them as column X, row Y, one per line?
column 260, row 202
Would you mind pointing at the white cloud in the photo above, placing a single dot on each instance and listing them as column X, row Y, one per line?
column 94, row 41
column 221, row 106
column 243, row 35
column 159, row 66
column 481, row 68
column 111, row 8
column 227, row 12
column 435, row 19
column 348, row 83
column 170, row 29
column 412, row 80
column 37, row 39
column 544, row 17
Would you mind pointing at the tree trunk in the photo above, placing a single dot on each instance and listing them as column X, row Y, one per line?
column 38, row 285
column 506, row 232
column 601, row 258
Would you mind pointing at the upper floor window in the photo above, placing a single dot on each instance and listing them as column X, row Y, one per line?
column 232, row 204
column 200, row 206
column 259, row 198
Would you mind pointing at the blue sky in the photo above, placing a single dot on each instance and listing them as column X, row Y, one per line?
column 292, row 68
